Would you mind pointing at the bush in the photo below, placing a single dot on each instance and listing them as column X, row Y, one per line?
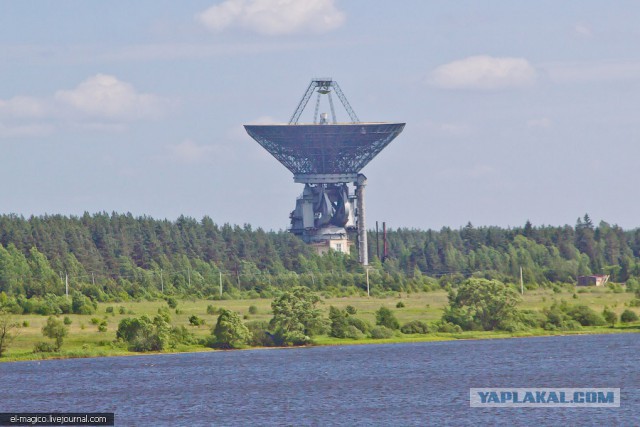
column 353, row 333
column 415, row 327
column 586, row 316
column 339, row 323
column 55, row 329
column 229, row 331
column 196, row 321
column 82, row 305
column 351, row 310
column 109, row 310
column 609, row 316
column 67, row 320
column 95, row 321
column 532, row 318
column 181, row 335
column 253, row 309
column 381, row 332
column 259, row 333
column 362, row 325
column 386, row 318
column 102, row 327
column 448, row 328
column 400, row 304
column 172, row 303
column 43, row 347
column 628, row 316
column 122, row 310
column 143, row 334
column 211, row 310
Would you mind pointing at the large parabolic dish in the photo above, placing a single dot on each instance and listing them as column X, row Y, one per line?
column 325, row 148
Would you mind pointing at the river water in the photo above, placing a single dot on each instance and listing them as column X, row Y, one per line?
column 393, row 384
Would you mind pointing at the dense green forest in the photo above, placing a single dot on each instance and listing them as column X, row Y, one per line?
column 108, row 256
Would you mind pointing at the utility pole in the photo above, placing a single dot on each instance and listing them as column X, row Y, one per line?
column 66, row 284
column 367, row 270
column 220, row 276
column 377, row 242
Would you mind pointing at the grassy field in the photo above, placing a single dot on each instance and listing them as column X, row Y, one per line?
column 84, row 340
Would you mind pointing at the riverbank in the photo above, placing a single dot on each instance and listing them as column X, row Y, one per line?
column 86, row 340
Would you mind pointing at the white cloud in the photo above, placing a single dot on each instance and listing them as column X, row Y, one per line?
column 484, row 72
column 107, row 97
column 23, row 131
column 582, row 30
column 101, row 103
column 22, row 107
column 191, row 153
column 273, row 17
column 585, row 72
column 263, row 120
column 539, row 123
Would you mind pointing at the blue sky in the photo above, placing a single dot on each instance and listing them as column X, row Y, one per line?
column 514, row 110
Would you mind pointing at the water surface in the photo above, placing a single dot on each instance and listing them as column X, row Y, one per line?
column 391, row 384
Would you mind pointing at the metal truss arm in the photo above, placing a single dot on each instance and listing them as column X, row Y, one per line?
column 303, row 103
column 345, row 103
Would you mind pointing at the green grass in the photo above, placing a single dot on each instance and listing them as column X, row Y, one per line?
column 84, row 340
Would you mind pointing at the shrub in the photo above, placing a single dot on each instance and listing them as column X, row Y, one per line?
column 400, row 304
column 102, row 327
column 351, row 310
column 353, row 333
column 211, row 310
column 339, row 322
column 448, row 327
column 82, row 305
column 362, row 325
column 586, row 316
column 171, row 302
column 386, row 318
column 609, row 316
column 55, row 329
column 628, row 316
column 122, row 310
column 43, row 347
column 253, row 309
column 67, row 320
column 165, row 314
column 532, row 318
column 109, row 310
column 95, row 321
column 25, row 323
column 381, row 332
column 415, row 327
column 143, row 334
column 229, row 331
column 259, row 333
column 196, row 321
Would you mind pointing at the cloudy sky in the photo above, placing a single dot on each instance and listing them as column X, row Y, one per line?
column 514, row 110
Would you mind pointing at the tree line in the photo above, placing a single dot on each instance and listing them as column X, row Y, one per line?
column 118, row 255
